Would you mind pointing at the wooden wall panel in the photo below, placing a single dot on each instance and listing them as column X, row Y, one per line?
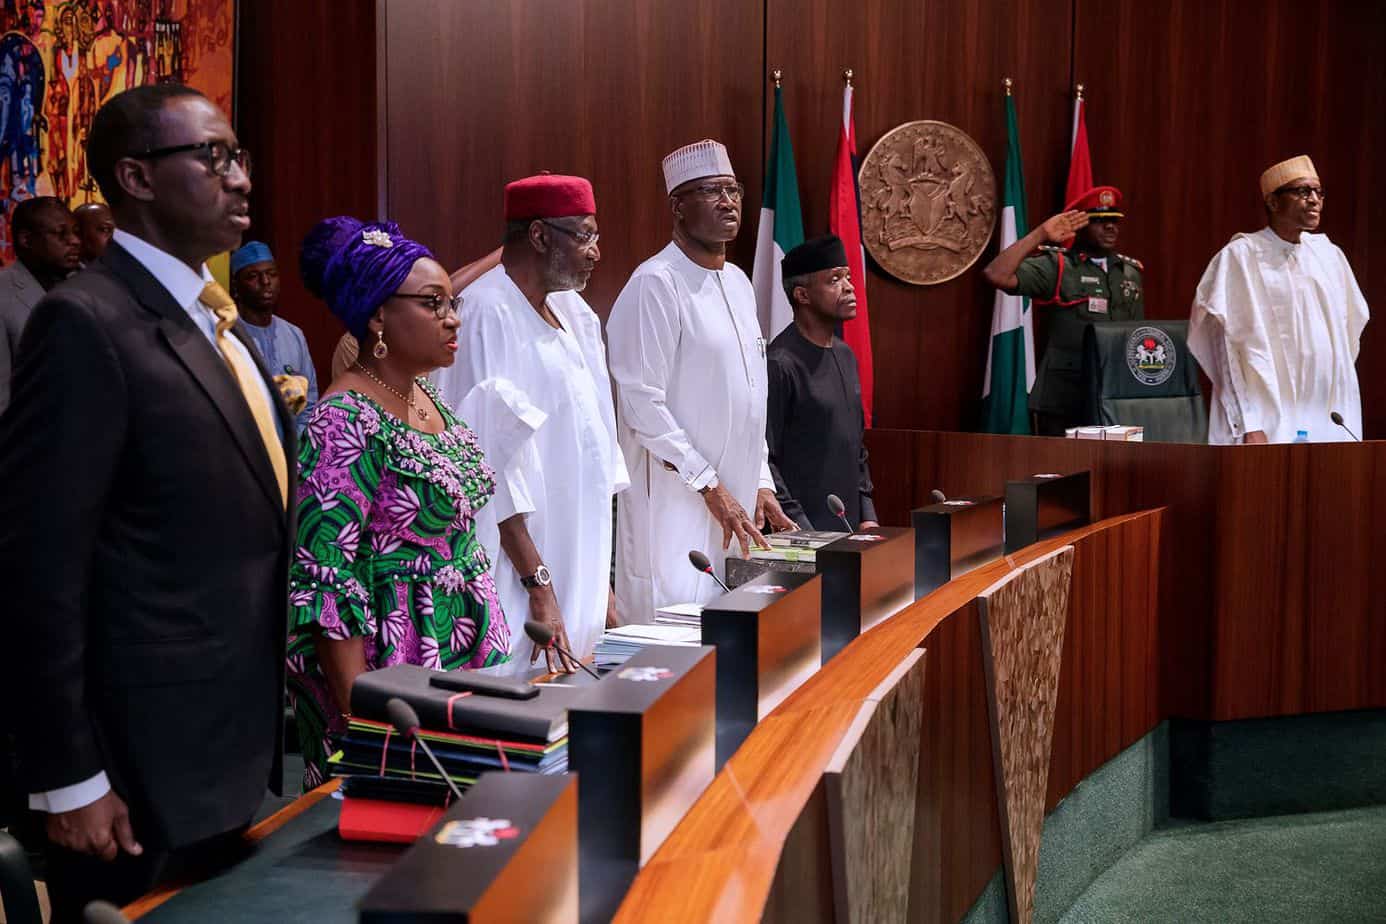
column 1269, row 605
column 480, row 93
column 957, row 827
column 931, row 59
column 306, row 108
column 1189, row 100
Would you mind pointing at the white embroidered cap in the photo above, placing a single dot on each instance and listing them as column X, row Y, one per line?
column 695, row 161
column 1287, row 171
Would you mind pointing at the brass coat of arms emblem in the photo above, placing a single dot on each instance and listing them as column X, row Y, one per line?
column 928, row 202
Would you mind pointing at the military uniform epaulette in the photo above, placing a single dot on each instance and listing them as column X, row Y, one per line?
column 1051, row 248
column 1133, row 261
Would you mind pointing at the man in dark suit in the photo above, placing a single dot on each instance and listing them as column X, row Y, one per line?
column 46, row 251
column 147, row 463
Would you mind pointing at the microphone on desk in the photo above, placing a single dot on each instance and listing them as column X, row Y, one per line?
column 1338, row 419
column 103, row 913
column 542, row 636
column 937, row 496
column 839, row 510
column 703, row 564
column 406, row 722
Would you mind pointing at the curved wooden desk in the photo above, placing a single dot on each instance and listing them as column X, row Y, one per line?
column 726, row 861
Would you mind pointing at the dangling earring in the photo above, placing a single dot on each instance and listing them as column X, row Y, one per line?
column 380, row 351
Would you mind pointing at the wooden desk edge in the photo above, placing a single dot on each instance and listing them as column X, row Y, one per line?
column 756, row 868
column 258, row 832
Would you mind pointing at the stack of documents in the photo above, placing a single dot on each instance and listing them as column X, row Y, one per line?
column 618, row 645
column 680, row 614
column 470, row 733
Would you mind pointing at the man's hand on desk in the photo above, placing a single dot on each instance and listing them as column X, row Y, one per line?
column 543, row 608
column 768, row 510
column 101, row 829
column 732, row 516
column 1256, row 438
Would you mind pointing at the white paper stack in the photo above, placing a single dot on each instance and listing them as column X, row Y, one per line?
column 619, row 644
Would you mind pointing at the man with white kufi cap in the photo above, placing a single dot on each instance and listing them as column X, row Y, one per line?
column 689, row 366
column 1277, row 322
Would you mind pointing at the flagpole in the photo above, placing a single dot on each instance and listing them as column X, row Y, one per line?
column 1009, row 84
column 777, row 75
column 847, row 76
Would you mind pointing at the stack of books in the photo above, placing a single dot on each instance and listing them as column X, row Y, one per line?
column 390, row 788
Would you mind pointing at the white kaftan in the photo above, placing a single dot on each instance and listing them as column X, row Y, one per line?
column 541, row 407
column 1277, row 326
column 688, row 361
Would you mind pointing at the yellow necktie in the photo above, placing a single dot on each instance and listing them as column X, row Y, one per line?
column 216, row 300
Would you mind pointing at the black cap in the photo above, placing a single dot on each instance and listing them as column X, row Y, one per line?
column 821, row 253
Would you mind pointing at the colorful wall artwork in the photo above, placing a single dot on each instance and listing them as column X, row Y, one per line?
column 61, row 59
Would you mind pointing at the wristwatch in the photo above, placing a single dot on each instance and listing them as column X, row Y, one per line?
column 540, row 578
column 709, row 486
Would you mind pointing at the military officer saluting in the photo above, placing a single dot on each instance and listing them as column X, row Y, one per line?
column 1079, row 272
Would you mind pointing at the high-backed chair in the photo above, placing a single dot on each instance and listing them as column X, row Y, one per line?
column 17, row 895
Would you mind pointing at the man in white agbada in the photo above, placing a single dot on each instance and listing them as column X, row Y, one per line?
column 531, row 381
column 1277, row 321
column 689, row 365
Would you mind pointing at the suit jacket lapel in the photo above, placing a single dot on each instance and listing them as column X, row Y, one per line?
column 202, row 361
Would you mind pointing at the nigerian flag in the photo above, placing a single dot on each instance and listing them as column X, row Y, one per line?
column 781, row 229
column 1011, row 353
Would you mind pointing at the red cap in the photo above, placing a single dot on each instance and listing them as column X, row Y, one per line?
column 549, row 195
column 1098, row 202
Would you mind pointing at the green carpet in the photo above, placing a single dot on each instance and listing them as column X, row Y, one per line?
column 1320, row 867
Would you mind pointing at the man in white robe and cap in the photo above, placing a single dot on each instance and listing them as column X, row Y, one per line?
column 1277, row 322
column 531, row 381
column 688, row 361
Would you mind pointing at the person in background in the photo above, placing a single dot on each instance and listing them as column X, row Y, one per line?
column 816, row 425
column 388, row 569
column 689, row 366
column 95, row 225
column 255, row 287
column 534, row 347
column 1079, row 273
column 46, row 252
column 1277, row 322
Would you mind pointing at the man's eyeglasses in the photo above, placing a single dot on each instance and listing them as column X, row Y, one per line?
column 218, row 155
column 713, row 192
column 584, row 238
column 437, row 302
column 1303, row 193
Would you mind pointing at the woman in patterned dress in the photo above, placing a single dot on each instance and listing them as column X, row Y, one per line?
column 387, row 569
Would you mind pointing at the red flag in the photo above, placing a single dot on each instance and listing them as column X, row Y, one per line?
column 1080, row 159
column 844, row 219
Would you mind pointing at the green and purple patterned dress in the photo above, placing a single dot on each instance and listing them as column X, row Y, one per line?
column 386, row 552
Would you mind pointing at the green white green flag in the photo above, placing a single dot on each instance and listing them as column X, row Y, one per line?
column 781, row 228
column 1011, row 351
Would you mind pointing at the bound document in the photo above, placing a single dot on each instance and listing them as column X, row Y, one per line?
column 542, row 718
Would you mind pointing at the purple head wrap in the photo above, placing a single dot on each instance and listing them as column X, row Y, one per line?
column 355, row 266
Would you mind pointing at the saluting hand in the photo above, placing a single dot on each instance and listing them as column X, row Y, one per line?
column 1064, row 225
column 768, row 508
column 732, row 517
